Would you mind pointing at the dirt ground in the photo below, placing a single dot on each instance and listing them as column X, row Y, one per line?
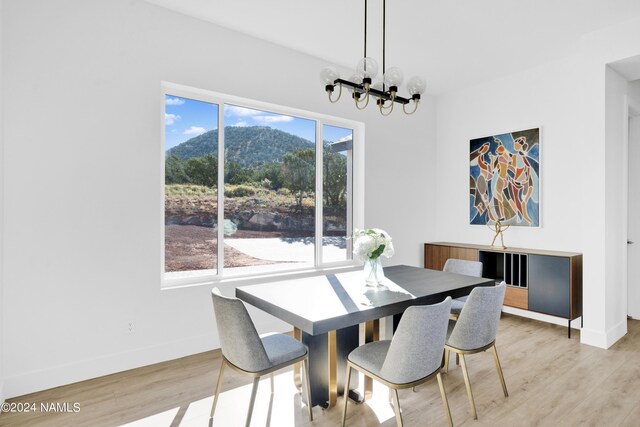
column 190, row 247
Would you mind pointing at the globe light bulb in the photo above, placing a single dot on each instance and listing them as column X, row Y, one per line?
column 416, row 85
column 329, row 74
column 367, row 68
column 393, row 77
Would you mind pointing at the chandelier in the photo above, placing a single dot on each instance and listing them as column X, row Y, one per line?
column 361, row 83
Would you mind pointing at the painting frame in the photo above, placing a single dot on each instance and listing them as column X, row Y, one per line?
column 505, row 183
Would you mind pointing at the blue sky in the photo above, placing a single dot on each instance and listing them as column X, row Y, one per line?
column 186, row 118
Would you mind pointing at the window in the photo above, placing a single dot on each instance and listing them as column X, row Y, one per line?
column 255, row 189
column 337, row 192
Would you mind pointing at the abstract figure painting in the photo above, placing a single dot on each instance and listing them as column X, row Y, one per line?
column 504, row 181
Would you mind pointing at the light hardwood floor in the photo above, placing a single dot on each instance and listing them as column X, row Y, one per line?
column 552, row 381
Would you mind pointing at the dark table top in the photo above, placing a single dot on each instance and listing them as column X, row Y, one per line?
column 320, row 304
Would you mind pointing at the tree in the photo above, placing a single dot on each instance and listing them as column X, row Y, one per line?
column 203, row 170
column 335, row 178
column 298, row 171
column 235, row 174
column 272, row 172
column 174, row 170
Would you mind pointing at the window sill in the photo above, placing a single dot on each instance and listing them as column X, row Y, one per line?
column 234, row 281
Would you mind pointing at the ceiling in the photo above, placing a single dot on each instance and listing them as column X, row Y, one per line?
column 450, row 43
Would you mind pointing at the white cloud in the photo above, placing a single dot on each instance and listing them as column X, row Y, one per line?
column 256, row 115
column 272, row 119
column 195, row 130
column 174, row 101
column 240, row 123
column 345, row 138
column 232, row 110
column 170, row 119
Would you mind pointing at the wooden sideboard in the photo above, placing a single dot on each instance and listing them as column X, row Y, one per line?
column 548, row 282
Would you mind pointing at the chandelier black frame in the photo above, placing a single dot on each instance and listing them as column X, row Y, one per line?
column 361, row 84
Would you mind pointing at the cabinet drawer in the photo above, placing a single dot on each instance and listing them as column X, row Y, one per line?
column 516, row 297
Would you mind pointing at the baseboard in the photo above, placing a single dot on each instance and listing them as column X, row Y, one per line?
column 604, row 339
column 593, row 338
column 31, row 382
column 617, row 332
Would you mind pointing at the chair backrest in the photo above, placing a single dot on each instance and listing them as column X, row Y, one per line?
column 418, row 343
column 240, row 342
column 477, row 324
column 463, row 266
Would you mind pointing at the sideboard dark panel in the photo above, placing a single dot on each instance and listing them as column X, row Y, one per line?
column 549, row 285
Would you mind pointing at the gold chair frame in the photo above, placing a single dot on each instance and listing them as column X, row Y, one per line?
column 460, row 353
column 395, row 387
column 256, row 380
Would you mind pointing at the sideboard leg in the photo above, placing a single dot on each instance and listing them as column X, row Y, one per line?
column 569, row 328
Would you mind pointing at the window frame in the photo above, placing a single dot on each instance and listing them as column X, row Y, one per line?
column 356, row 202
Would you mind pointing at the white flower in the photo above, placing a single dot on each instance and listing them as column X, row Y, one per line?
column 370, row 243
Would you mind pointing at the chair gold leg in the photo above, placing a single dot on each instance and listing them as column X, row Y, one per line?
column 446, row 360
column 254, row 391
column 218, row 386
column 297, row 334
column 504, row 385
column 468, row 384
column 396, row 407
column 346, row 395
column 445, row 402
column 305, row 364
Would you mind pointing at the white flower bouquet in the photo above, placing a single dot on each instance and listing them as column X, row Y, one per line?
column 368, row 246
column 371, row 243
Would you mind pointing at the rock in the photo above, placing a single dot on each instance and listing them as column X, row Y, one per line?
column 264, row 221
column 193, row 220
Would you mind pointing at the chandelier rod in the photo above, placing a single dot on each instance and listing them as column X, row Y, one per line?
column 384, row 40
column 365, row 30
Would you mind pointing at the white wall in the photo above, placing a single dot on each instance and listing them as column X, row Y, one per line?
column 633, row 279
column 599, row 48
column 547, row 97
column 400, row 182
column 1, row 207
column 567, row 99
column 616, row 164
column 634, row 89
column 82, row 191
column 544, row 97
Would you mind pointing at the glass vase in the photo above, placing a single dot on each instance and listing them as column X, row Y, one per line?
column 373, row 272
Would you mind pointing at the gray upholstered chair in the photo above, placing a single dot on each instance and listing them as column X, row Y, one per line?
column 475, row 331
column 413, row 356
column 249, row 353
column 468, row 268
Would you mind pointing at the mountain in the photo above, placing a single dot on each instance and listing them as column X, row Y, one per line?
column 249, row 146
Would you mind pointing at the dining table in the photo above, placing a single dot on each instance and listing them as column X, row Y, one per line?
column 326, row 312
